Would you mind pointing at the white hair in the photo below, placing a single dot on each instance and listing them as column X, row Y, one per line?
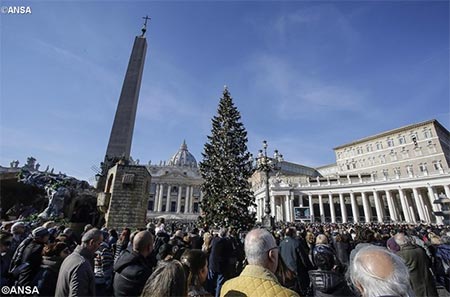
column 396, row 284
column 257, row 243
column 401, row 239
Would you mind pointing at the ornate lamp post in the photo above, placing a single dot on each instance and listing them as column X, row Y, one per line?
column 266, row 164
column 444, row 201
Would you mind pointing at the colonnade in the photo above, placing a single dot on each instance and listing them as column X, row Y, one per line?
column 181, row 195
column 410, row 203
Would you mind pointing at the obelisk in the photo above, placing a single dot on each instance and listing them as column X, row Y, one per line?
column 123, row 187
column 119, row 145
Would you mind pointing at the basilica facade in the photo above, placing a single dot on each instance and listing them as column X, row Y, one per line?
column 175, row 187
column 393, row 176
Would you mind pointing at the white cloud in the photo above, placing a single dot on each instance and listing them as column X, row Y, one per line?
column 298, row 95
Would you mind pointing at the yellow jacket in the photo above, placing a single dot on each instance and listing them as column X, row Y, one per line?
column 255, row 281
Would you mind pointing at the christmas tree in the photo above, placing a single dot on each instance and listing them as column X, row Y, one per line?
column 226, row 168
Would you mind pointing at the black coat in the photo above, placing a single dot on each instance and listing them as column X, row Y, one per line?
column 297, row 260
column 221, row 249
column 132, row 271
column 32, row 254
column 329, row 283
column 196, row 242
column 343, row 252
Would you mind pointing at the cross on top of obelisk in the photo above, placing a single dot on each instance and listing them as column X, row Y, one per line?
column 144, row 28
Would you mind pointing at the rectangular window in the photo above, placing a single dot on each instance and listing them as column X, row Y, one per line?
column 390, row 142
column 401, row 140
column 414, row 138
column 435, row 165
column 431, row 147
column 150, row 205
column 393, row 156
column 427, row 133
column 423, row 167
column 409, row 169
column 196, row 207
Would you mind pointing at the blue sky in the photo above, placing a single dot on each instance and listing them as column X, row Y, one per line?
column 306, row 76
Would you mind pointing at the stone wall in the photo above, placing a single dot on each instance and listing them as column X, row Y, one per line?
column 129, row 196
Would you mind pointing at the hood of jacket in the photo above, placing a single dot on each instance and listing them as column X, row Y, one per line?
column 326, row 281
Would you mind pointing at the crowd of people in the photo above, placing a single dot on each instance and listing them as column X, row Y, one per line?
column 304, row 259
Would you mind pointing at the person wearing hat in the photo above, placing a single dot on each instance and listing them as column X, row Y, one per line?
column 28, row 256
column 18, row 232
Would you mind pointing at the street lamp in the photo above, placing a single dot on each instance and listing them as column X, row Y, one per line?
column 444, row 202
column 266, row 164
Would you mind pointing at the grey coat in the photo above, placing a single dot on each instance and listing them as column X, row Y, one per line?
column 419, row 270
column 76, row 276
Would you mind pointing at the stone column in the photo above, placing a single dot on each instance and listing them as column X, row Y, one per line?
column 391, row 206
column 179, row 199
column 291, row 207
column 261, row 208
column 286, row 208
column 321, row 209
column 273, row 211
column 311, row 207
column 332, row 210
column 436, row 207
column 419, row 205
column 447, row 191
column 426, row 211
column 186, row 200
column 343, row 208
column 160, row 198
column 155, row 198
column 355, row 210
column 169, row 188
column 366, row 206
column 191, row 200
column 405, row 207
column 378, row 206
